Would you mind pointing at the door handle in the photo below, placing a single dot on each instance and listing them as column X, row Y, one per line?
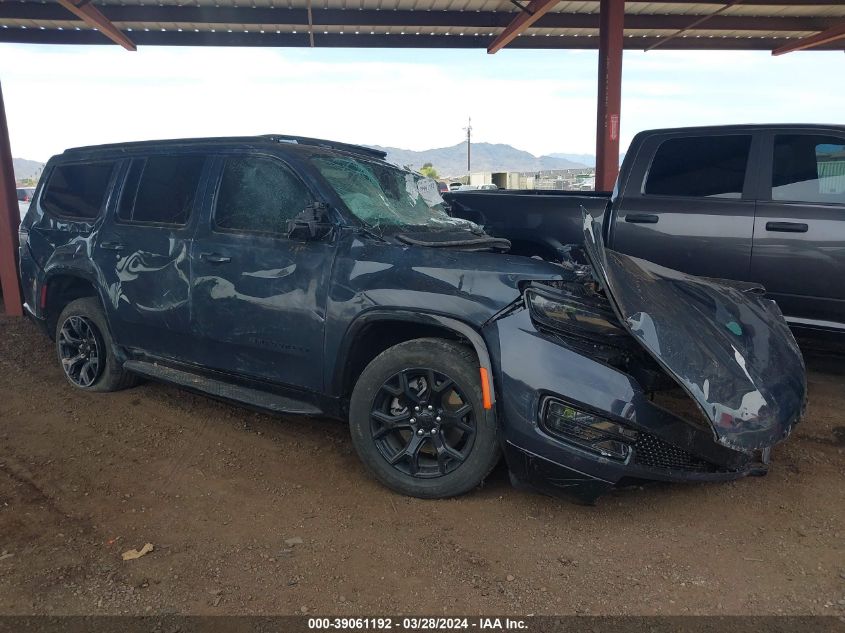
column 112, row 246
column 787, row 227
column 641, row 218
column 215, row 258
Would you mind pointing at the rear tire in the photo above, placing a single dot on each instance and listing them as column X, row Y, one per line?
column 85, row 349
column 418, row 423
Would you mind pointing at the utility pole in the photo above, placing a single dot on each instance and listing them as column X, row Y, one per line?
column 468, row 129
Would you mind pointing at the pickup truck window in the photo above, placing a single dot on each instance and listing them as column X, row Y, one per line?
column 258, row 195
column 384, row 197
column 160, row 190
column 77, row 191
column 699, row 167
column 809, row 168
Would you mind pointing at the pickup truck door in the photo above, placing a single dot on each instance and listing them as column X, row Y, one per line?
column 688, row 205
column 799, row 232
column 259, row 298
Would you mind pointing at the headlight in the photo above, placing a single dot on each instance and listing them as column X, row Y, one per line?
column 576, row 315
column 587, row 430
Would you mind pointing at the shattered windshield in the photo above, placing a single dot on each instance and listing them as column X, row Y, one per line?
column 386, row 197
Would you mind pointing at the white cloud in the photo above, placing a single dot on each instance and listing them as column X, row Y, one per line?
column 541, row 101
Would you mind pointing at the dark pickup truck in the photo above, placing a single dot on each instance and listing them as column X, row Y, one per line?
column 754, row 203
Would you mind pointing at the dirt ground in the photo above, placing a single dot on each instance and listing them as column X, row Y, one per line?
column 219, row 490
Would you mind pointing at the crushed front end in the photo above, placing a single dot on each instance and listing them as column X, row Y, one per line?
column 626, row 372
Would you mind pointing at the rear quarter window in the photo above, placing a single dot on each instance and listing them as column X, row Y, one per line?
column 78, row 190
column 699, row 167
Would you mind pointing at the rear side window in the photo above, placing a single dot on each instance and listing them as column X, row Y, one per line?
column 258, row 195
column 77, row 191
column 160, row 190
column 809, row 168
column 700, row 167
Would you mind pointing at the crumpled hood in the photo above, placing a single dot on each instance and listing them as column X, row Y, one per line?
column 725, row 343
column 470, row 286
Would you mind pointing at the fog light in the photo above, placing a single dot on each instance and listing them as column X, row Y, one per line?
column 588, row 431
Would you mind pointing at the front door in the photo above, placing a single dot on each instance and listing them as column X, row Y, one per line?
column 799, row 232
column 142, row 252
column 259, row 298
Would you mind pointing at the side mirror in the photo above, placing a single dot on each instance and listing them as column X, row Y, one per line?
column 311, row 224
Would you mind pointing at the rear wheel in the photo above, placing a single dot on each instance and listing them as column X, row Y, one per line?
column 417, row 419
column 85, row 350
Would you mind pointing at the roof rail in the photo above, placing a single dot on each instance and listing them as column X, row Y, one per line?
column 319, row 142
column 264, row 138
column 167, row 142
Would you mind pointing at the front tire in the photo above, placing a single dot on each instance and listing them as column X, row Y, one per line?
column 85, row 349
column 418, row 423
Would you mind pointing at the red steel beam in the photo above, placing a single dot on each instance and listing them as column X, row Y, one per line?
column 532, row 12
column 833, row 34
column 9, row 222
column 88, row 13
column 611, row 27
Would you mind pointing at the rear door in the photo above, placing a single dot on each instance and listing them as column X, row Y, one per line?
column 259, row 297
column 688, row 204
column 142, row 253
column 799, row 233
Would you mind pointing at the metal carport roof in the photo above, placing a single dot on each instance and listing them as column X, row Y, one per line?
column 676, row 24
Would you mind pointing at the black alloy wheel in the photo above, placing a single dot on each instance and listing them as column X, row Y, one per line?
column 422, row 424
column 85, row 348
column 417, row 419
column 80, row 351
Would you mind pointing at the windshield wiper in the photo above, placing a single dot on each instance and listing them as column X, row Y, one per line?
column 462, row 241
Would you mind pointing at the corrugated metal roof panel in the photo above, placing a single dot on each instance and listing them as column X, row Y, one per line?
column 569, row 19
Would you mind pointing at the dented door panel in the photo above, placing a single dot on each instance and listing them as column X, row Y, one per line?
column 145, row 279
column 261, row 313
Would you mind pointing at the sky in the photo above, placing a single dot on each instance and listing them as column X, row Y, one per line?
column 540, row 101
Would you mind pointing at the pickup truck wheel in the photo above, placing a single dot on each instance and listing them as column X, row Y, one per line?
column 418, row 423
column 84, row 347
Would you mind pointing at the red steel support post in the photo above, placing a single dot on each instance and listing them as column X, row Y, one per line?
column 9, row 222
column 611, row 31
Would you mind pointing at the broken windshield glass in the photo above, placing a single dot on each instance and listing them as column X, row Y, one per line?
column 387, row 197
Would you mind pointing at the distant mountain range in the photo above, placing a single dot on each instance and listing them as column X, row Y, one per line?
column 452, row 161
column 25, row 168
column 585, row 159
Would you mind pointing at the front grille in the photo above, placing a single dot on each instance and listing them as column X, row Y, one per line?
column 653, row 452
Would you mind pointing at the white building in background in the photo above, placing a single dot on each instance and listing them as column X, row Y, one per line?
column 583, row 179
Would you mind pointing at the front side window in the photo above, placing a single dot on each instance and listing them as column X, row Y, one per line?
column 258, row 195
column 809, row 168
column 77, row 191
column 160, row 190
column 384, row 196
column 700, row 167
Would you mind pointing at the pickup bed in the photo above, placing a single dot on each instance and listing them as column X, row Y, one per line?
column 754, row 203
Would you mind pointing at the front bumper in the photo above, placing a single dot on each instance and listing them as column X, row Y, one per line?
column 531, row 365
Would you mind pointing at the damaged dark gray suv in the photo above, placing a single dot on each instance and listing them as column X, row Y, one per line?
column 310, row 277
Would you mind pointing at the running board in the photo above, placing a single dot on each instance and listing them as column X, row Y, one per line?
column 220, row 389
